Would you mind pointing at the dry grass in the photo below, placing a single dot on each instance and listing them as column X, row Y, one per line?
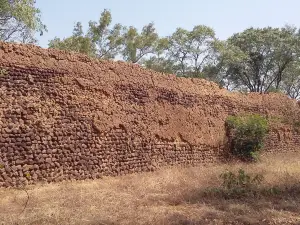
column 168, row 196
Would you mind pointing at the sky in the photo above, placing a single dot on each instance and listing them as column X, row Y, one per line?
column 224, row 16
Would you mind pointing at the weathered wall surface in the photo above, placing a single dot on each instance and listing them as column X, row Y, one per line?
column 65, row 116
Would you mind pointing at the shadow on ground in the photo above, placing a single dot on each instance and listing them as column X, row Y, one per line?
column 265, row 208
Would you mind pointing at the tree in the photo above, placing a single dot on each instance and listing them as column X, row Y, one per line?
column 108, row 41
column 291, row 82
column 266, row 54
column 100, row 41
column 217, row 70
column 19, row 20
column 77, row 42
column 158, row 60
column 139, row 45
column 160, row 64
column 192, row 50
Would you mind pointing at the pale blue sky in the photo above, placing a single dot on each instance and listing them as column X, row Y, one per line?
column 225, row 16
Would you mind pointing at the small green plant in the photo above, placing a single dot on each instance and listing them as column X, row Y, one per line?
column 236, row 185
column 240, row 182
column 3, row 72
column 271, row 191
column 246, row 135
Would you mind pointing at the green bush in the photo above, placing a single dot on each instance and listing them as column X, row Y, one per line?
column 241, row 183
column 237, row 185
column 246, row 135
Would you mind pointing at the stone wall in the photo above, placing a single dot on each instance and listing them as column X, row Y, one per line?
column 66, row 116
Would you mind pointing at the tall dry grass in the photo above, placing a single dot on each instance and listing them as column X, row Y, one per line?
column 167, row 196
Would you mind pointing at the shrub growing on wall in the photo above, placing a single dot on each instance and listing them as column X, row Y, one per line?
column 246, row 135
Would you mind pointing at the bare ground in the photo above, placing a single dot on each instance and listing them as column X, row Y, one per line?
column 169, row 196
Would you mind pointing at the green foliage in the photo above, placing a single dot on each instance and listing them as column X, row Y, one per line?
column 191, row 50
column 138, row 45
column 291, row 81
column 246, row 134
column 260, row 60
column 272, row 191
column 76, row 44
column 100, row 41
column 241, row 183
column 108, row 39
column 19, row 20
column 263, row 57
column 160, row 64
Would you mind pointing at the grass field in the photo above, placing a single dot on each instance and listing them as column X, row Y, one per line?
column 168, row 196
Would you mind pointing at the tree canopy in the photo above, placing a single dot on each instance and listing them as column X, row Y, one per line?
column 254, row 60
column 101, row 40
column 265, row 56
column 20, row 20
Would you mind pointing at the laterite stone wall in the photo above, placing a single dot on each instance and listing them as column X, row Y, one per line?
column 66, row 116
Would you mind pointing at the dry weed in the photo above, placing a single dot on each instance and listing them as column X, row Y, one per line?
column 168, row 196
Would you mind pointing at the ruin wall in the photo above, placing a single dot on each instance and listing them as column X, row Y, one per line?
column 66, row 116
